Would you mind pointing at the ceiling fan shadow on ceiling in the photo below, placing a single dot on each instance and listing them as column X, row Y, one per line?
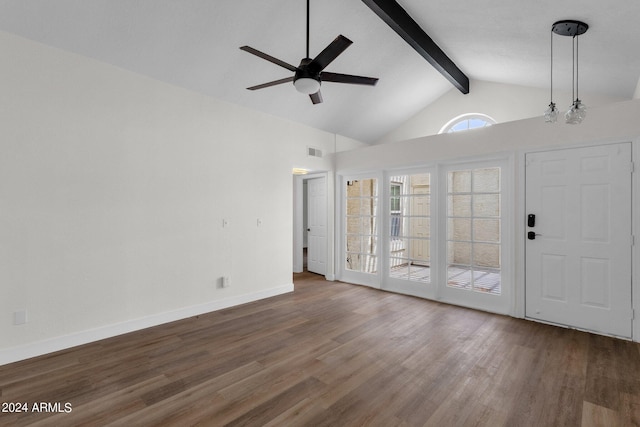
column 309, row 75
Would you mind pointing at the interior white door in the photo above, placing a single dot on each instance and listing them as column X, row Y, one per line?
column 317, row 225
column 578, row 259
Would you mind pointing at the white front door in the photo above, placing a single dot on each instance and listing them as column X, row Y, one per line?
column 578, row 246
column 317, row 225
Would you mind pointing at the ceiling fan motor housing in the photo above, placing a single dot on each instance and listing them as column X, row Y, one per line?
column 305, row 71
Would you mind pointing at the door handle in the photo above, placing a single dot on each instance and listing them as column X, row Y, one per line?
column 531, row 235
column 308, row 229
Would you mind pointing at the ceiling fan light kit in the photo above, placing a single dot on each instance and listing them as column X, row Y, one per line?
column 307, row 85
column 577, row 111
column 306, row 80
column 310, row 74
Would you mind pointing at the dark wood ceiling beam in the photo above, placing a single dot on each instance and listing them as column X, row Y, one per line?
column 398, row 19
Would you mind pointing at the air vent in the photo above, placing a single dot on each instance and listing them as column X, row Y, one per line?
column 314, row 152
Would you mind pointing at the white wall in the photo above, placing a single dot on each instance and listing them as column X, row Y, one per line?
column 113, row 191
column 614, row 121
column 502, row 102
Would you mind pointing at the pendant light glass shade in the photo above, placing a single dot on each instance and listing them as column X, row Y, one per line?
column 551, row 115
column 576, row 114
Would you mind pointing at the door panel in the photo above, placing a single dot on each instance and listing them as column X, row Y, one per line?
column 475, row 257
column 317, row 226
column 578, row 266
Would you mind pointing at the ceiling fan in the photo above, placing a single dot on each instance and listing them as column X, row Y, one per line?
column 309, row 75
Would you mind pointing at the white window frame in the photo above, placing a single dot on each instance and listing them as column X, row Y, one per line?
column 465, row 117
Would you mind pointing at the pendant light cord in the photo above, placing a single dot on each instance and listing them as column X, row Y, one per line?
column 573, row 69
column 551, row 94
column 577, row 67
column 574, row 88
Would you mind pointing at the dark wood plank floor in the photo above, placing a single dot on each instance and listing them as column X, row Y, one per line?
column 333, row 354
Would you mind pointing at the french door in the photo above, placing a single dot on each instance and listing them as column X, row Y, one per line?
column 436, row 232
column 408, row 232
column 474, row 215
column 578, row 249
column 360, row 239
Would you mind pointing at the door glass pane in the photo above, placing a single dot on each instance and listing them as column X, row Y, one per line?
column 459, row 205
column 459, row 253
column 420, row 251
column 460, row 181
column 486, row 230
column 353, row 225
column 486, row 205
column 486, row 180
column 473, row 230
column 459, row 229
column 410, row 227
column 361, row 225
column 486, row 255
column 418, row 227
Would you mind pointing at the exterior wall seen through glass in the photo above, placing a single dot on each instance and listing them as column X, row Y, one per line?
column 361, row 225
column 473, row 230
column 410, row 227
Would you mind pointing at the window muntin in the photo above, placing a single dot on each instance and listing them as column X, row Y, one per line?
column 361, row 225
column 410, row 227
column 473, row 230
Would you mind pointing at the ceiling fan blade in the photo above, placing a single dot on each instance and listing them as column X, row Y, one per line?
column 398, row 19
column 273, row 83
column 347, row 78
column 330, row 53
column 316, row 98
column 268, row 58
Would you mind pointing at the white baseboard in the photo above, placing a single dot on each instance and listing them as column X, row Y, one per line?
column 64, row 342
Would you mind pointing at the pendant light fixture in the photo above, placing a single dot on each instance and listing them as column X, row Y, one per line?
column 577, row 111
column 551, row 115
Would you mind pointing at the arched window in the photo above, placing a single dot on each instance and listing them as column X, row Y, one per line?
column 466, row 122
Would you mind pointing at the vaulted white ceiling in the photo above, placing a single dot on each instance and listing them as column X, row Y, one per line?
column 194, row 44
